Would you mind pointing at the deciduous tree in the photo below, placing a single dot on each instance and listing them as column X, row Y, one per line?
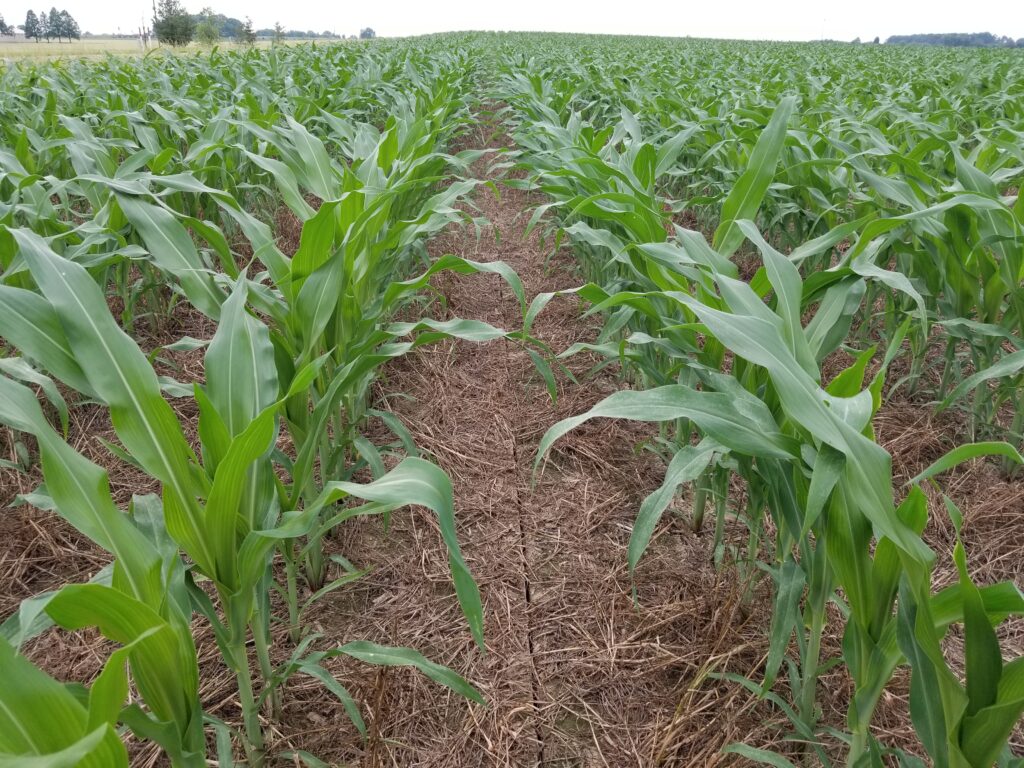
column 55, row 25
column 173, row 24
column 207, row 30
column 71, row 29
column 246, row 34
column 31, row 27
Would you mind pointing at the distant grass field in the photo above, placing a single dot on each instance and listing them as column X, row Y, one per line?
column 19, row 49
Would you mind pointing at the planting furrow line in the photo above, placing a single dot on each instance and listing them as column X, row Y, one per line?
column 574, row 673
column 459, row 402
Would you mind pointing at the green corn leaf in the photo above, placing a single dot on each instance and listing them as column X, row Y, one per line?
column 826, row 474
column 985, row 732
column 286, row 182
column 89, row 750
column 786, row 617
column 451, row 263
column 1001, row 600
column 43, row 724
column 31, row 619
column 121, row 375
column 318, row 171
column 316, row 244
column 17, row 368
column 318, row 300
column 406, row 657
column 686, row 465
column 308, row 760
column 213, row 432
column 835, row 316
column 785, row 280
column 235, row 476
column 1007, row 365
column 163, row 666
column 748, row 192
column 109, row 690
column 241, row 375
column 429, row 331
column 413, row 482
column 762, row 756
column 416, row 481
column 733, row 424
column 326, row 679
column 81, row 493
column 544, row 369
column 173, row 251
column 29, row 321
column 967, row 452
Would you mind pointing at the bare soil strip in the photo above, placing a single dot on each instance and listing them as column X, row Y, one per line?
column 574, row 673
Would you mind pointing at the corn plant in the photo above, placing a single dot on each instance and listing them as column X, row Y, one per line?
column 63, row 158
column 939, row 176
column 804, row 453
column 42, row 719
column 379, row 198
column 223, row 508
column 330, row 303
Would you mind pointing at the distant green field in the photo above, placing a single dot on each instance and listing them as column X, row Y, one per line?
column 101, row 46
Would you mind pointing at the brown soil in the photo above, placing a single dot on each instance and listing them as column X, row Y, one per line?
column 576, row 674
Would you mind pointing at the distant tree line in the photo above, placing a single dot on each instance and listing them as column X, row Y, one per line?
column 176, row 26
column 960, row 39
column 172, row 25
column 45, row 26
column 298, row 34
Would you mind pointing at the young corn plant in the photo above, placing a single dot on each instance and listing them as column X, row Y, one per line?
column 334, row 300
column 199, row 119
column 942, row 187
column 41, row 719
column 222, row 514
column 807, row 454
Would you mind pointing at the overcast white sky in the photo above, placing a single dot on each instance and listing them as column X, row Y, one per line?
column 749, row 19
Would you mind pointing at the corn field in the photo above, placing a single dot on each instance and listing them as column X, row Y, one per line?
column 232, row 259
